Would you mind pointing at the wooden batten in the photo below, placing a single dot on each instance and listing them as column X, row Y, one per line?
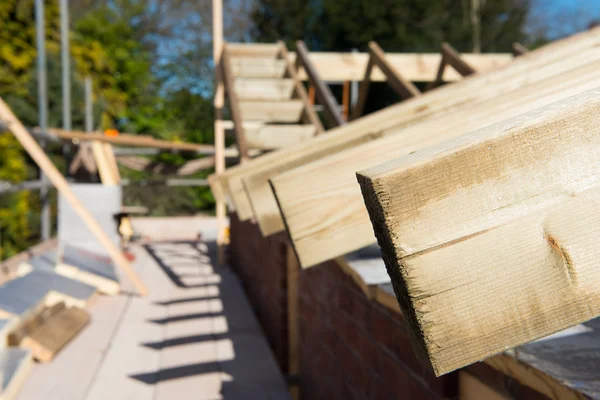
column 263, row 88
column 132, row 140
column 531, row 185
column 534, row 66
column 288, row 111
column 396, row 80
column 452, row 58
column 309, row 197
column 323, row 93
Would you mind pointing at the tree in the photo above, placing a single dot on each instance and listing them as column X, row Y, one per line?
column 397, row 25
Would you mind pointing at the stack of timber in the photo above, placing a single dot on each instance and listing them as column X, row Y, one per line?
column 268, row 103
column 310, row 194
column 465, row 222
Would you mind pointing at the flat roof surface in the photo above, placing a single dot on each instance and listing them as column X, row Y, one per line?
column 194, row 337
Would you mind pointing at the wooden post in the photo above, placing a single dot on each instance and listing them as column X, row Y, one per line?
column 60, row 183
column 219, row 130
column 311, row 94
column 346, row 100
column 293, row 270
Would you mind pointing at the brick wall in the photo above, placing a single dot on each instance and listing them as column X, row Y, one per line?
column 351, row 347
column 260, row 264
column 354, row 348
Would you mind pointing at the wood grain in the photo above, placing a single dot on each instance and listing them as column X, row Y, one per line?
column 310, row 196
column 459, row 300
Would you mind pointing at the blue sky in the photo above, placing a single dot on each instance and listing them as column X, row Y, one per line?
column 563, row 17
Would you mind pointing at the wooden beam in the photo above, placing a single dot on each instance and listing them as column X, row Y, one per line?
column 534, row 67
column 101, row 161
column 415, row 67
column 220, row 206
column 260, row 50
column 289, row 111
column 263, row 88
column 269, row 137
column 309, row 114
column 234, row 105
column 518, row 49
column 112, row 162
column 324, row 95
column 451, row 56
column 346, row 100
column 193, row 166
column 59, row 182
column 257, row 67
column 401, row 85
column 541, row 167
column 363, row 91
column 309, row 197
column 131, row 140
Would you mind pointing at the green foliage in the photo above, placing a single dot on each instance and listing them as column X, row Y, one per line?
column 15, row 232
column 397, row 25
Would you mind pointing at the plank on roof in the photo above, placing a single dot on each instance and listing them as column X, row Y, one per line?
column 533, row 67
column 49, row 338
column 461, row 300
column 320, row 229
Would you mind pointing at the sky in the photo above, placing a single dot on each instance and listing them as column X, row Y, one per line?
column 567, row 16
